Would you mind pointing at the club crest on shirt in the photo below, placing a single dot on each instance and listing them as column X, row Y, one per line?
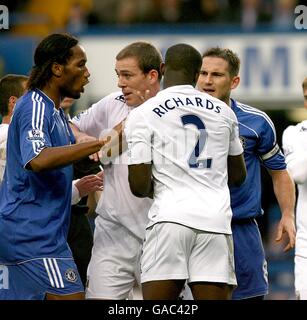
column 71, row 275
column 303, row 129
column 35, row 135
column 243, row 141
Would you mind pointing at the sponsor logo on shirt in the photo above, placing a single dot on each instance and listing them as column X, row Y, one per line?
column 120, row 98
column 78, row 116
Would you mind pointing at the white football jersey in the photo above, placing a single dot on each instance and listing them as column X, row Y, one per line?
column 3, row 138
column 117, row 204
column 187, row 135
column 294, row 142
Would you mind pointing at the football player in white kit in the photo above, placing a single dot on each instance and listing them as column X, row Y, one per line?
column 294, row 142
column 122, row 217
column 180, row 143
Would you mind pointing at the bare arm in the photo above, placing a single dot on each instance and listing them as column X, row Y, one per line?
column 140, row 180
column 285, row 194
column 115, row 142
column 236, row 170
column 80, row 136
column 53, row 157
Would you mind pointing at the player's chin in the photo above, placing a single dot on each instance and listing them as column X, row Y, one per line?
column 130, row 101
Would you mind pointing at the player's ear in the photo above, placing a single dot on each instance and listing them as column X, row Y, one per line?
column 153, row 75
column 11, row 104
column 235, row 82
column 57, row 69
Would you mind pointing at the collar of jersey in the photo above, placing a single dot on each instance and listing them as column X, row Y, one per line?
column 179, row 88
column 45, row 96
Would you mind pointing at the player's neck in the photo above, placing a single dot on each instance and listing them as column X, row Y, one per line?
column 53, row 94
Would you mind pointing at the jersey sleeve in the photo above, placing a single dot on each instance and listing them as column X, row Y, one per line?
column 235, row 146
column 34, row 134
column 93, row 120
column 268, row 149
column 296, row 155
column 138, row 137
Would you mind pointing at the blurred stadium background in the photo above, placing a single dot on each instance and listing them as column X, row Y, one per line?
column 273, row 61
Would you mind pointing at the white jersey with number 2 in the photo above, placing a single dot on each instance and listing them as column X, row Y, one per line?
column 187, row 135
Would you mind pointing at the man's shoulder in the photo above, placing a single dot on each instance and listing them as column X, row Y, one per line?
column 302, row 126
column 248, row 109
column 115, row 97
column 252, row 115
column 294, row 129
column 35, row 98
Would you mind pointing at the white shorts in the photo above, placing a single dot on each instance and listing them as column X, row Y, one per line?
column 114, row 267
column 174, row 251
column 300, row 273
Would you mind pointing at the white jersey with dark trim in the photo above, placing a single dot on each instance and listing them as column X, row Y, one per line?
column 295, row 149
column 187, row 135
column 117, row 203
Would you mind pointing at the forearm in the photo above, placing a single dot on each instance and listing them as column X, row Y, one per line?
column 79, row 136
column 115, row 142
column 284, row 190
column 53, row 157
column 140, row 180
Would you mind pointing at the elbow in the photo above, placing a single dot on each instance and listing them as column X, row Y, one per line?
column 35, row 166
column 138, row 191
column 237, row 180
column 139, row 194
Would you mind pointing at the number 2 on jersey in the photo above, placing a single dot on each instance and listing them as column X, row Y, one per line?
column 194, row 162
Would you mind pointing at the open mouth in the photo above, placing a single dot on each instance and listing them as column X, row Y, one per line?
column 127, row 95
column 209, row 90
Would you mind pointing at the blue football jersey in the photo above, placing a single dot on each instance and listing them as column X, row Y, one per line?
column 258, row 137
column 35, row 206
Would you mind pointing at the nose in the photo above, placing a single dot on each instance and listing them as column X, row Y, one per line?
column 120, row 82
column 208, row 79
column 87, row 73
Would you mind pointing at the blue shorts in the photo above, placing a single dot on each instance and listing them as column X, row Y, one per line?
column 33, row 279
column 250, row 263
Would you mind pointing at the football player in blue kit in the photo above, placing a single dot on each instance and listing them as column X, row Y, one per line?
column 35, row 259
column 218, row 76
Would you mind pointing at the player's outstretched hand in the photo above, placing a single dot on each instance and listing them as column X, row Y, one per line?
column 89, row 184
column 286, row 227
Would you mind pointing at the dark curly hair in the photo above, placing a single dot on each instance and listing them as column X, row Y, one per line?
column 54, row 48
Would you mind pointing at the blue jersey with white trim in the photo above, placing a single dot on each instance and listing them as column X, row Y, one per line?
column 35, row 206
column 258, row 136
